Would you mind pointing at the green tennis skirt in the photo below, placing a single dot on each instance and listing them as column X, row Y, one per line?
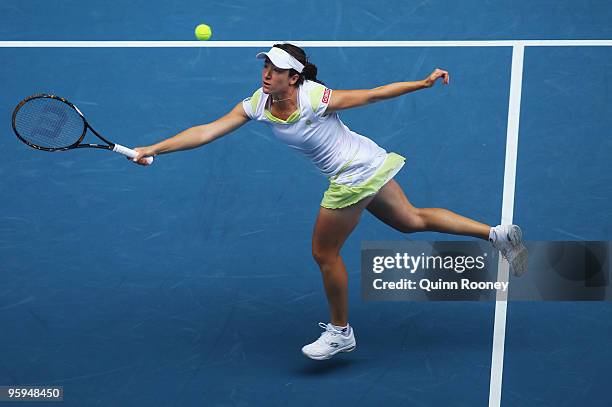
column 340, row 196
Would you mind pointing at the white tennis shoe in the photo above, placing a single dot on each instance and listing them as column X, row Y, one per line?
column 508, row 240
column 330, row 342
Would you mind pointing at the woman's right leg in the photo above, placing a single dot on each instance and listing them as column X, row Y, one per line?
column 332, row 228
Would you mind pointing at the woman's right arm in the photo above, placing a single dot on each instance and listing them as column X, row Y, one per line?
column 195, row 136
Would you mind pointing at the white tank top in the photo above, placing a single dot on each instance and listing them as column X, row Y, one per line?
column 346, row 157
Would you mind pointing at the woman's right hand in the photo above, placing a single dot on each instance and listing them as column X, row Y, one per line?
column 143, row 152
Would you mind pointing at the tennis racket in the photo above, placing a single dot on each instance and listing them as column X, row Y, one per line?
column 51, row 123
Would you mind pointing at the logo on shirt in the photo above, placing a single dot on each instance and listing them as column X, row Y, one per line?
column 326, row 95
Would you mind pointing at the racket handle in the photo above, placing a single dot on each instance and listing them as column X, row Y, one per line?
column 128, row 152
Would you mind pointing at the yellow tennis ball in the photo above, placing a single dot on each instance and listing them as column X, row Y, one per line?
column 203, row 32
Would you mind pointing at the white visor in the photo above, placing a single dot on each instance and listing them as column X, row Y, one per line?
column 281, row 59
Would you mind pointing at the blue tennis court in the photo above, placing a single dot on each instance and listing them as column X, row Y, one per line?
column 191, row 282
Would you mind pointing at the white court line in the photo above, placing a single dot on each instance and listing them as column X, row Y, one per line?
column 501, row 304
column 260, row 44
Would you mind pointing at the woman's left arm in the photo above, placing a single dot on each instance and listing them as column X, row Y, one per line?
column 346, row 99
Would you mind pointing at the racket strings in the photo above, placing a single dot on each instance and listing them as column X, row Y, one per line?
column 49, row 123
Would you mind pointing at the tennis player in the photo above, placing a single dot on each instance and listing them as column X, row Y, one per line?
column 303, row 113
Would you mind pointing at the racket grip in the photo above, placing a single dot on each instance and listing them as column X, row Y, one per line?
column 128, row 152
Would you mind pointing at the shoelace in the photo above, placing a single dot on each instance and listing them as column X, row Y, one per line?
column 504, row 249
column 329, row 330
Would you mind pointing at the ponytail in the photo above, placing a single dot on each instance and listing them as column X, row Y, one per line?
column 310, row 72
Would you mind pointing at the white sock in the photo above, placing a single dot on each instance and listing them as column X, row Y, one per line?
column 344, row 329
column 492, row 235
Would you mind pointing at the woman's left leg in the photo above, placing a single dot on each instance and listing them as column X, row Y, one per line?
column 392, row 207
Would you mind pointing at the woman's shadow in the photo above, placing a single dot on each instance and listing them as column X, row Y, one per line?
column 325, row 367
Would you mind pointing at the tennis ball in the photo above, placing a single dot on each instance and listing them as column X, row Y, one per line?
column 203, row 32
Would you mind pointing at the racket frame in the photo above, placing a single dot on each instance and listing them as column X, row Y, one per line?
column 76, row 144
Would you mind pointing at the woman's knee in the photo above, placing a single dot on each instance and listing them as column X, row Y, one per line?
column 324, row 256
column 412, row 221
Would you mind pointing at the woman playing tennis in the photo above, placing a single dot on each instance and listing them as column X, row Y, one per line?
column 303, row 113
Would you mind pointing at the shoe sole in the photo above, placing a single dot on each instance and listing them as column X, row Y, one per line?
column 519, row 263
column 330, row 355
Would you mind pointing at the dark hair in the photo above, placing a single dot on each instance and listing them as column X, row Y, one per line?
column 310, row 70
